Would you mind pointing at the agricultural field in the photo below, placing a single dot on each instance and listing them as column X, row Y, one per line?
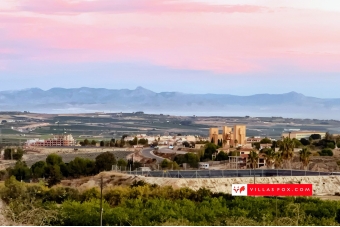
column 17, row 127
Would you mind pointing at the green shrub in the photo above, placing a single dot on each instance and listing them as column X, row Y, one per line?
column 326, row 152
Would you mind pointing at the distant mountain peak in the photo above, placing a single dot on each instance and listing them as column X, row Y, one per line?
column 141, row 88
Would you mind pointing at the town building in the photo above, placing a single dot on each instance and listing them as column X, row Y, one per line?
column 55, row 141
column 235, row 136
column 302, row 134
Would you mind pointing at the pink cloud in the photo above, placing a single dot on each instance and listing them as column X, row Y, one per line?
column 203, row 39
column 131, row 6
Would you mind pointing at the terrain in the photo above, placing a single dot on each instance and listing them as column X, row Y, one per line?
column 76, row 100
column 16, row 127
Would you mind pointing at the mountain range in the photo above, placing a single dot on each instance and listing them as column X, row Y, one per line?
column 62, row 100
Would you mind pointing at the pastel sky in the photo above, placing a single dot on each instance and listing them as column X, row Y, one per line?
column 239, row 47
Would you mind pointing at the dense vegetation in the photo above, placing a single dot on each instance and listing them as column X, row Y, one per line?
column 144, row 204
column 54, row 169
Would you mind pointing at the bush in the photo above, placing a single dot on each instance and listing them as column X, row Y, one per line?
column 326, row 152
column 330, row 145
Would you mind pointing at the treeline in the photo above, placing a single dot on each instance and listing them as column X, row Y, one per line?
column 53, row 169
column 114, row 142
column 13, row 153
column 142, row 204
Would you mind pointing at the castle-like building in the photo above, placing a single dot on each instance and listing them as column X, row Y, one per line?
column 230, row 136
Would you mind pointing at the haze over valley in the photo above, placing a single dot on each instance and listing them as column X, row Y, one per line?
column 84, row 100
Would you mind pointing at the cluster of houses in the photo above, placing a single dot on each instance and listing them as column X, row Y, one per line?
column 166, row 140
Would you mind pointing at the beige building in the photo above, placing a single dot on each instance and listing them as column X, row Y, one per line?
column 302, row 134
column 55, row 141
column 230, row 136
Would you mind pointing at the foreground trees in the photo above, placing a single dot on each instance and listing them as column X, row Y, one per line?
column 145, row 205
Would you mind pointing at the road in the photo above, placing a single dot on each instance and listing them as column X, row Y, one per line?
column 229, row 173
column 147, row 153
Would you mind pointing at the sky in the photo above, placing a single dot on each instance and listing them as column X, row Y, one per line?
column 239, row 47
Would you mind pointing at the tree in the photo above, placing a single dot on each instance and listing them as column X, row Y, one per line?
column 105, row 161
column 53, row 159
column 102, row 143
column 209, row 150
column 121, row 163
column 257, row 145
column 192, row 159
column 278, row 160
column 81, row 167
column 143, row 141
column 265, row 140
column 337, row 218
column 164, row 163
column 305, row 156
column 134, row 141
column 18, row 154
column 221, row 156
column 86, row 142
column 38, row 169
column 54, row 175
column 286, row 146
column 304, row 142
column 297, row 143
column 21, row 171
column 186, row 144
column 253, row 158
column 12, row 154
column 122, row 142
column 315, row 137
column 93, row 143
column 270, row 157
column 136, row 165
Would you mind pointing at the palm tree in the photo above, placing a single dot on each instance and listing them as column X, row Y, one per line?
column 270, row 157
column 278, row 160
column 287, row 148
column 304, row 157
column 253, row 158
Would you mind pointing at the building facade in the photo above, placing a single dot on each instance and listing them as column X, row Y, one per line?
column 302, row 134
column 55, row 141
column 235, row 136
